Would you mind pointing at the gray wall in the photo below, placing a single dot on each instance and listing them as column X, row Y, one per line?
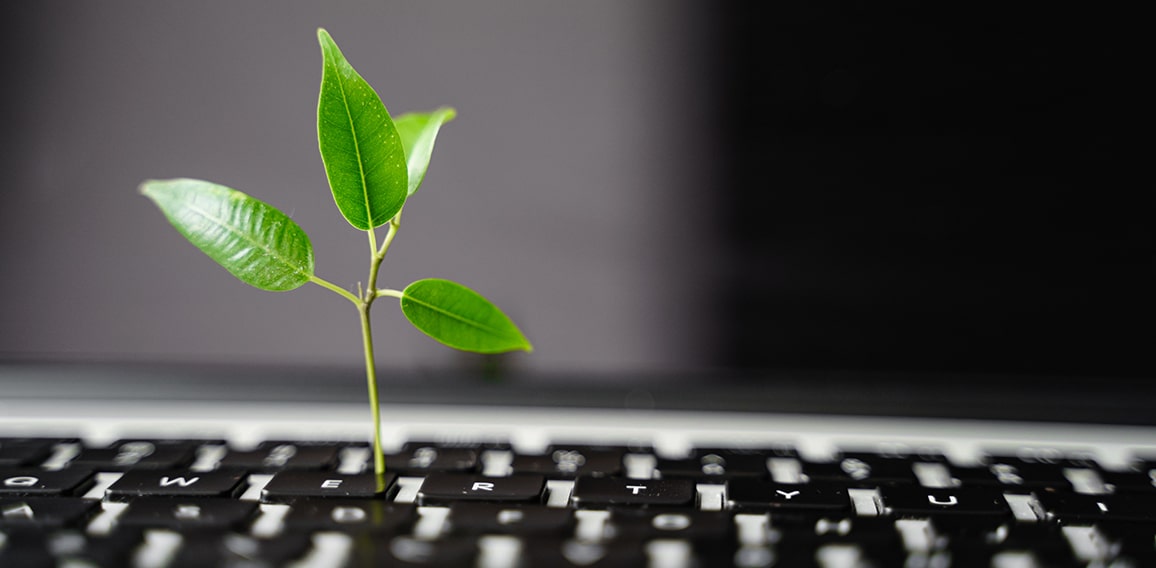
column 569, row 190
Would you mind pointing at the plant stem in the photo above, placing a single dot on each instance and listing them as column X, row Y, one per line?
column 376, row 256
column 371, row 380
column 335, row 288
column 364, row 300
column 390, row 233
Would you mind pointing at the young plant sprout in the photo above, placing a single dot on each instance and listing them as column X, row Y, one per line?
column 374, row 164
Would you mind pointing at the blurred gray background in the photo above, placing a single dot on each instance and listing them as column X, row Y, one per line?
column 645, row 187
column 568, row 190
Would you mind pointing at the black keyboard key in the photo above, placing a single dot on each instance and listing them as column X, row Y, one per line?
column 858, row 529
column 1078, row 508
column 1046, row 541
column 896, row 463
column 443, row 488
column 468, row 518
column 773, row 450
column 27, row 555
column 71, row 481
column 1119, row 530
column 16, row 452
column 631, row 447
column 1136, row 552
column 147, row 483
column 759, row 496
column 574, row 553
column 188, row 514
column 967, row 528
column 764, row 452
column 213, row 548
column 339, row 444
column 568, row 463
column 861, row 471
column 72, row 547
column 25, row 546
column 796, row 550
column 799, row 520
column 692, row 526
column 905, row 452
column 406, row 551
column 1134, row 542
column 138, row 454
column 598, row 492
column 819, row 523
column 1047, row 457
column 716, row 466
column 1130, row 481
column 113, row 549
column 875, row 540
column 46, row 512
column 422, row 460
column 926, row 501
column 968, row 555
column 289, row 485
column 269, row 457
column 351, row 515
column 475, row 443
column 893, row 555
column 1013, row 477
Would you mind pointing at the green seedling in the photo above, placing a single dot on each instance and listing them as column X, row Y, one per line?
column 374, row 164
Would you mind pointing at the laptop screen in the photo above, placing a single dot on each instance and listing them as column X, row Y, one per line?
column 647, row 188
column 925, row 191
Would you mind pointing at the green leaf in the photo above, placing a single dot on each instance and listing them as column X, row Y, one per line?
column 460, row 318
column 418, row 132
column 362, row 151
column 257, row 243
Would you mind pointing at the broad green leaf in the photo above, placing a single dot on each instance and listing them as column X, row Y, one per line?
column 418, row 132
column 257, row 243
column 460, row 318
column 363, row 155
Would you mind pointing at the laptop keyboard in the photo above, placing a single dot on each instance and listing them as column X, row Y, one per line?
column 284, row 503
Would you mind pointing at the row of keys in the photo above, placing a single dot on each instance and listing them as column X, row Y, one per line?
column 854, row 469
column 361, row 515
column 214, row 526
column 591, row 492
column 447, row 487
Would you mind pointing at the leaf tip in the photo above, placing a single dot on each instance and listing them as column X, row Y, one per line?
column 326, row 41
column 152, row 188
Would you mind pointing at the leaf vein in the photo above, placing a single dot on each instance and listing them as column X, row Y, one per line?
column 492, row 330
column 356, row 149
column 245, row 236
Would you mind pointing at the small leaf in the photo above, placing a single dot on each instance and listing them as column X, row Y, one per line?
column 362, row 151
column 418, row 132
column 253, row 240
column 460, row 318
